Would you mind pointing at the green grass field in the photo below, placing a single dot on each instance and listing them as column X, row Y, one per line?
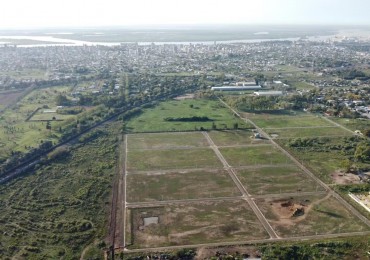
column 274, row 180
column 42, row 114
column 256, row 155
column 192, row 184
column 17, row 134
column 22, row 134
column 24, row 73
column 166, row 140
column 353, row 124
column 300, row 85
column 283, row 121
column 308, row 132
column 323, row 162
column 153, row 119
column 29, row 134
column 144, row 160
column 186, row 224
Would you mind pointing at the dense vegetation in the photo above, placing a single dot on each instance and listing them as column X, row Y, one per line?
column 354, row 150
column 62, row 206
column 350, row 248
column 102, row 107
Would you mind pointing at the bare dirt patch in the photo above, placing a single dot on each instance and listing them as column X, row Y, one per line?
column 194, row 223
column 322, row 215
column 183, row 97
column 274, row 136
column 9, row 98
column 345, row 178
column 290, row 211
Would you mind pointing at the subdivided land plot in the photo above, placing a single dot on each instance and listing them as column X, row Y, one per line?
column 235, row 138
column 192, row 223
column 148, row 160
column 166, row 140
column 186, row 184
column 309, row 215
column 278, row 179
column 254, row 155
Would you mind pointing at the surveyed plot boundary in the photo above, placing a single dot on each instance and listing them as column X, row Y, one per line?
column 232, row 171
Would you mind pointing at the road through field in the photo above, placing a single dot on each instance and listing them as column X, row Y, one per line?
column 252, row 242
column 246, row 195
column 169, row 202
column 338, row 125
column 118, row 215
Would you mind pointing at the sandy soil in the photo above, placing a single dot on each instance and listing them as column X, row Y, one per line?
column 285, row 209
column 348, row 178
column 187, row 96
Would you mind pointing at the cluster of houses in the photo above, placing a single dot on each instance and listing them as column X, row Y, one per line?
column 60, row 62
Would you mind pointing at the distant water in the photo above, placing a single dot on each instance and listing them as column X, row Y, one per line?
column 54, row 41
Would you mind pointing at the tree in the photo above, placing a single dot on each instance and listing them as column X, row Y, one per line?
column 61, row 100
column 48, row 126
column 362, row 152
column 367, row 132
column 346, row 165
column 236, row 126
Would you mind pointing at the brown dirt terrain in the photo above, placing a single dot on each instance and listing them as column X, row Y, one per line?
column 193, row 223
column 345, row 178
column 9, row 98
column 288, row 211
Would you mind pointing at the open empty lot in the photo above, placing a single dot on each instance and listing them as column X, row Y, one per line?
column 156, row 119
column 167, row 140
column 266, row 120
column 193, row 223
column 309, row 215
column 285, row 133
column 141, row 160
column 274, row 180
column 254, row 155
column 189, row 184
column 188, row 188
column 235, row 138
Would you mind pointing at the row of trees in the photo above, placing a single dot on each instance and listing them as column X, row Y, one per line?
column 270, row 102
column 107, row 106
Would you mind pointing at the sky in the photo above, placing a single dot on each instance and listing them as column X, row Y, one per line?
column 82, row 13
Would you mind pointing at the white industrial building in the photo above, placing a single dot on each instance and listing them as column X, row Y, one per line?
column 237, row 88
column 269, row 93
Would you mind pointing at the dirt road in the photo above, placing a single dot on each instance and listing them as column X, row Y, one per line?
column 246, row 195
column 308, row 172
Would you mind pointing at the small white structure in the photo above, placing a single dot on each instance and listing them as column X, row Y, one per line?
column 236, row 88
column 150, row 220
column 269, row 93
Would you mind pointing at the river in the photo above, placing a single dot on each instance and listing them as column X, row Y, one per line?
column 54, row 41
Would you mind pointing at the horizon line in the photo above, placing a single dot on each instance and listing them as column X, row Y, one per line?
column 183, row 26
